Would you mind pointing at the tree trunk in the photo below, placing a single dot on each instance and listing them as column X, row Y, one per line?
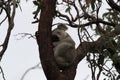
column 45, row 45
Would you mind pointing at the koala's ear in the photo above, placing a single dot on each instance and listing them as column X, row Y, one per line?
column 62, row 27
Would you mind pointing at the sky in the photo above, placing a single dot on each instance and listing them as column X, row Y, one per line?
column 23, row 54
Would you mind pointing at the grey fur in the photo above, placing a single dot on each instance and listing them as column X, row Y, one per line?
column 64, row 49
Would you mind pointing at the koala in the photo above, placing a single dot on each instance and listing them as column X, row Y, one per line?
column 63, row 46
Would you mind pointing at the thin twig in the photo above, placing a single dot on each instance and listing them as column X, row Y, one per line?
column 23, row 35
column 3, row 75
column 3, row 20
column 28, row 70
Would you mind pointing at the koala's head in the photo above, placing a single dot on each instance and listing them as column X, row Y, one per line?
column 59, row 33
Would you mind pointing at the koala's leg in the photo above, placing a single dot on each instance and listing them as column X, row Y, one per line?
column 64, row 54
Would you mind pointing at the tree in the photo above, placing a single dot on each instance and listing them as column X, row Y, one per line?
column 7, row 6
column 104, row 48
column 85, row 16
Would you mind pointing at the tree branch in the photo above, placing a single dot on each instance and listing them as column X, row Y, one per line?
column 10, row 27
column 2, row 72
column 94, row 47
column 113, row 5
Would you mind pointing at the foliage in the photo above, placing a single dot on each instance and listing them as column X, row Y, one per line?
column 101, row 26
column 39, row 5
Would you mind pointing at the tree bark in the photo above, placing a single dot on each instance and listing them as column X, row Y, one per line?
column 44, row 39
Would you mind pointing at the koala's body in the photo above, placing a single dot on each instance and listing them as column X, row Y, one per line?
column 63, row 46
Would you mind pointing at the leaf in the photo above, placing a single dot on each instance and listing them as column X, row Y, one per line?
column 35, row 3
column 101, row 59
column 39, row 7
column 36, row 13
column 36, row 21
column 1, row 9
column 93, row 4
column 118, row 77
column 105, row 14
column 114, row 44
column 68, row 9
column 118, row 42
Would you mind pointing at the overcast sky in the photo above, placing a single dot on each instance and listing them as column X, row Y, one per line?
column 23, row 54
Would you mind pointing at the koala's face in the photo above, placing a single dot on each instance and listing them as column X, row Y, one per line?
column 61, row 34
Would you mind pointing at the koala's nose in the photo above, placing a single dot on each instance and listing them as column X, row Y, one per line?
column 55, row 38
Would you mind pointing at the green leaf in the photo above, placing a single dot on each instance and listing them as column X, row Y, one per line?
column 93, row 4
column 39, row 7
column 36, row 13
column 118, row 77
column 68, row 9
column 105, row 14
column 36, row 21
column 35, row 3
column 1, row 9
column 101, row 59
column 114, row 43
